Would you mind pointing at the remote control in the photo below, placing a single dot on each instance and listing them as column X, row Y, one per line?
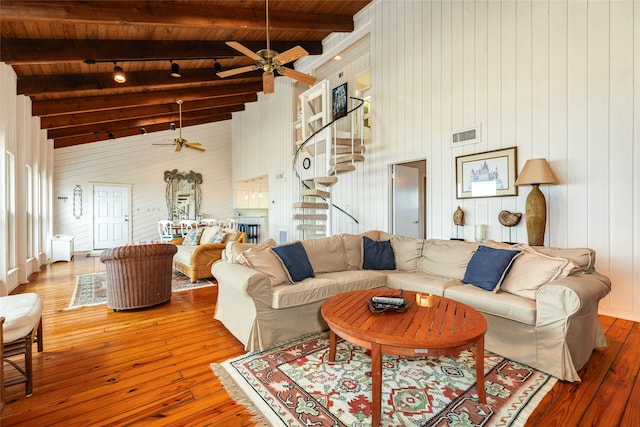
column 389, row 300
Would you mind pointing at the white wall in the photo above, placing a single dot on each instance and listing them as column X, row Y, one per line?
column 558, row 79
column 135, row 161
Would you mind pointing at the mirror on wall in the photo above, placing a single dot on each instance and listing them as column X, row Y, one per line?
column 183, row 194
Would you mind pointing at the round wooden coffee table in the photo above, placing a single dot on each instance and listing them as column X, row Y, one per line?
column 444, row 328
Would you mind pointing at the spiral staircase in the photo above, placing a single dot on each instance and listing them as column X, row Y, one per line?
column 329, row 147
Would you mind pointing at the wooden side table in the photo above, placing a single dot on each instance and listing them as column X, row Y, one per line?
column 445, row 328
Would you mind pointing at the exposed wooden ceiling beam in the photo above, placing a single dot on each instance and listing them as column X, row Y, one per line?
column 68, row 120
column 141, row 122
column 103, row 136
column 41, row 51
column 36, row 85
column 73, row 105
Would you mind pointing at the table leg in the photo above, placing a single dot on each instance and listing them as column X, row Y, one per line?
column 482, row 395
column 332, row 346
column 376, row 384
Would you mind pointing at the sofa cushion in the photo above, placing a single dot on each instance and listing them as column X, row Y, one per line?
column 421, row 282
column 219, row 237
column 295, row 259
column 583, row 258
column 407, row 252
column 533, row 269
column 234, row 249
column 488, row 267
column 323, row 286
column 208, row 233
column 193, row 237
column 326, row 254
column 446, row 258
column 264, row 260
column 353, row 249
column 377, row 255
column 500, row 304
column 184, row 254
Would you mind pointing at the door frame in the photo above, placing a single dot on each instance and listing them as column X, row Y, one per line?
column 421, row 164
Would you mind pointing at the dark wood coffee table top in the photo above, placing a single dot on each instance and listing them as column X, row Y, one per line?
column 447, row 325
column 444, row 328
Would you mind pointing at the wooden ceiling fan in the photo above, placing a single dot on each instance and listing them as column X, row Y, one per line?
column 180, row 142
column 270, row 61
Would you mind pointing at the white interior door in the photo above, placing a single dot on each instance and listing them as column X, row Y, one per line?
column 110, row 216
column 406, row 201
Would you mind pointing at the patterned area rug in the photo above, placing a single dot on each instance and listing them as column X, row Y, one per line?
column 293, row 384
column 91, row 289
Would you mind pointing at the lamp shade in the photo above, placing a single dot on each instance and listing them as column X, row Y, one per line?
column 536, row 171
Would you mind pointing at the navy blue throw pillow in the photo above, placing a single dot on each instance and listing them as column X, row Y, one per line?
column 294, row 257
column 488, row 267
column 377, row 255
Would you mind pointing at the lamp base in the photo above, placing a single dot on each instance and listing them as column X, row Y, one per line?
column 536, row 214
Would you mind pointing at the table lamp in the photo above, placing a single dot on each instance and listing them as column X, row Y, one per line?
column 534, row 173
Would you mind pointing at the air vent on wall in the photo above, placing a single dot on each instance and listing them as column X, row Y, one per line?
column 466, row 136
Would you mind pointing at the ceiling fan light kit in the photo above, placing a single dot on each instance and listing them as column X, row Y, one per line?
column 180, row 142
column 270, row 61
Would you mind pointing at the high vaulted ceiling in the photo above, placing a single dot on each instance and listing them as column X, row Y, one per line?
column 63, row 53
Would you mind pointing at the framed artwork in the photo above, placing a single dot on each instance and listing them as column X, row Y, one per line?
column 339, row 101
column 488, row 174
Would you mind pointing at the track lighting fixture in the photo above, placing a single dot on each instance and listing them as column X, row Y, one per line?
column 118, row 74
column 111, row 135
column 172, row 126
column 217, row 67
column 143, row 130
column 175, row 70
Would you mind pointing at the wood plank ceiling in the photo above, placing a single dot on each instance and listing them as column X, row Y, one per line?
column 63, row 53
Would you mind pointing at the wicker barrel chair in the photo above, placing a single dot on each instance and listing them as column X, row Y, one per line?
column 138, row 275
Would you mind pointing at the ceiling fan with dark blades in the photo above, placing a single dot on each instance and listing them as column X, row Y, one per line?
column 270, row 61
column 180, row 142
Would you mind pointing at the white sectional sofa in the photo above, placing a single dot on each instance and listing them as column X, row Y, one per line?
column 543, row 312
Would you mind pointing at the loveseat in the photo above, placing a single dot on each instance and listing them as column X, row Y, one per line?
column 543, row 311
column 200, row 248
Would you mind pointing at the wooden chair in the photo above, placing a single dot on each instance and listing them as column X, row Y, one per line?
column 165, row 230
column 210, row 222
column 22, row 327
column 186, row 225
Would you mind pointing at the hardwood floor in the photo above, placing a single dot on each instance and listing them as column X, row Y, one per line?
column 151, row 367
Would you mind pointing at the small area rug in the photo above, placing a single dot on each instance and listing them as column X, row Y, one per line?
column 293, row 384
column 91, row 289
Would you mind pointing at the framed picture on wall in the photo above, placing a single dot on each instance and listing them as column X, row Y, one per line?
column 339, row 100
column 487, row 174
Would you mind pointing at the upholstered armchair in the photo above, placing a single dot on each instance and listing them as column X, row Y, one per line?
column 138, row 275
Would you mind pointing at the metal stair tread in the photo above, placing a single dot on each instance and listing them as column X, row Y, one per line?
column 311, row 205
column 314, row 192
column 357, row 149
column 327, row 181
column 314, row 227
column 340, row 168
column 347, row 158
column 315, row 217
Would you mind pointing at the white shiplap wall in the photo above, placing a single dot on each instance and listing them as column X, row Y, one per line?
column 136, row 162
column 558, row 79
